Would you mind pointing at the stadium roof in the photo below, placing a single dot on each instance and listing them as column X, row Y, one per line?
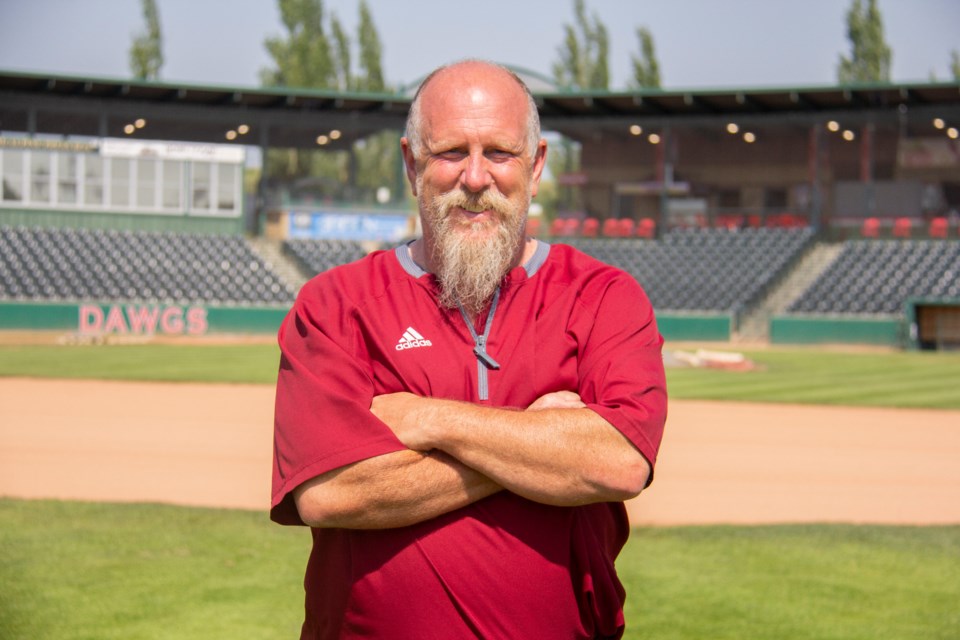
column 286, row 117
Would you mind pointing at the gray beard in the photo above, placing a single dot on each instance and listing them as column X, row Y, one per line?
column 469, row 261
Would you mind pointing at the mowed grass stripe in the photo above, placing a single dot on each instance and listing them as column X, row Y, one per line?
column 826, row 377
column 809, row 376
column 78, row 570
column 168, row 363
column 793, row 582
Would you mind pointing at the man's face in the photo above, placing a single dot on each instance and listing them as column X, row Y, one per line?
column 474, row 180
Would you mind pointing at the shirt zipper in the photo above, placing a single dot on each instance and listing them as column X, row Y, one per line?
column 484, row 360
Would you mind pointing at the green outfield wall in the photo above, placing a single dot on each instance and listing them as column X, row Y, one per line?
column 836, row 330
column 139, row 319
column 710, row 328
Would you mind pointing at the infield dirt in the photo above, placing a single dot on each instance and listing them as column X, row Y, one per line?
column 211, row 445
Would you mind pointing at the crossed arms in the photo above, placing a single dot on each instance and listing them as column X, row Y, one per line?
column 557, row 452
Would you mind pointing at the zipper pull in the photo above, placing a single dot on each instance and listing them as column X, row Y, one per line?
column 480, row 350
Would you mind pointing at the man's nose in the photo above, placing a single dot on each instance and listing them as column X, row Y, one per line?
column 476, row 173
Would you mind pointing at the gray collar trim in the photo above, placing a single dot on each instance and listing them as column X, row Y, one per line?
column 406, row 261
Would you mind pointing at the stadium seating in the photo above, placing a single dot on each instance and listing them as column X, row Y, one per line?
column 697, row 269
column 98, row 265
column 878, row 276
column 701, row 269
column 316, row 256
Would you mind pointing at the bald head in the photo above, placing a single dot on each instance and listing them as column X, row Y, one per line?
column 461, row 78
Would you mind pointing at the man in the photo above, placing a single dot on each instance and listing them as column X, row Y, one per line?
column 460, row 419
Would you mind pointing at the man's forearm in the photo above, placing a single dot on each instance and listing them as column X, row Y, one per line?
column 561, row 456
column 393, row 490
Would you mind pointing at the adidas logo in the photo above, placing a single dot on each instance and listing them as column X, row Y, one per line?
column 411, row 340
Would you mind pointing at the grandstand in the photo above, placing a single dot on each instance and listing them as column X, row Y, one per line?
column 877, row 277
column 82, row 264
column 687, row 272
column 808, row 214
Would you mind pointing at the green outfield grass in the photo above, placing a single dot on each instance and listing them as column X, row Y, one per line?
column 77, row 570
column 254, row 363
column 809, row 376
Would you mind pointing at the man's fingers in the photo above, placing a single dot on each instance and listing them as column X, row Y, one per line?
column 557, row 400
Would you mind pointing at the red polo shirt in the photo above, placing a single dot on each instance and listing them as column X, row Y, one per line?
column 503, row 567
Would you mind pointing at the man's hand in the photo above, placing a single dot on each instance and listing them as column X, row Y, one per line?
column 557, row 400
column 557, row 451
column 400, row 412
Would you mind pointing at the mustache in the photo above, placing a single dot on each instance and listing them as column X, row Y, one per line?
column 487, row 200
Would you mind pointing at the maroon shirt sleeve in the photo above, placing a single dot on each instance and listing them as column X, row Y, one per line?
column 621, row 365
column 324, row 390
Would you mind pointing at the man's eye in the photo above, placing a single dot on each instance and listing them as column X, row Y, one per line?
column 499, row 155
column 452, row 154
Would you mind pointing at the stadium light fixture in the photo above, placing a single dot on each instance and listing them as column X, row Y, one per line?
column 243, row 129
column 733, row 128
column 140, row 123
column 938, row 123
column 636, row 129
column 833, row 125
column 849, row 135
column 953, row 133
column 322, row 140
column 653, row 138
column 231, row 135
column 129, row 129
column 335, row 134
column 749, row 137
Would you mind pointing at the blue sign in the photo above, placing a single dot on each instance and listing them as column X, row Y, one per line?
column 329, row 225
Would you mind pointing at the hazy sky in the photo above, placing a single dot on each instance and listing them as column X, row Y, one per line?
column 700, row 43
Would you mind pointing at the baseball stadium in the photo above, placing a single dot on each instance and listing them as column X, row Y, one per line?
column 800, row 246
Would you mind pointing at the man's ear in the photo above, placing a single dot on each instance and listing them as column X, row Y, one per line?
column 539, row 162
column 409, row 165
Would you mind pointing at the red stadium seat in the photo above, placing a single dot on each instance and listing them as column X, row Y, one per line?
column 590, row 228
column 626, row 227
column 902, row 227
column 647, row 228
column 611, row 227
column 557, row 227
column 870, row 228
column 939, row 228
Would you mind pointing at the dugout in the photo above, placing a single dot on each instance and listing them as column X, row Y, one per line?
column 934, row 324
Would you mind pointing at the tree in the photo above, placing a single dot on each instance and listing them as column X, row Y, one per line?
column 303, row 58
column 955, row 64
column 371, row 69
column 646, row 68
column 341, row 55
column 870, row 57
column 583, row 62
column 317, row 52
column 146, row 52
